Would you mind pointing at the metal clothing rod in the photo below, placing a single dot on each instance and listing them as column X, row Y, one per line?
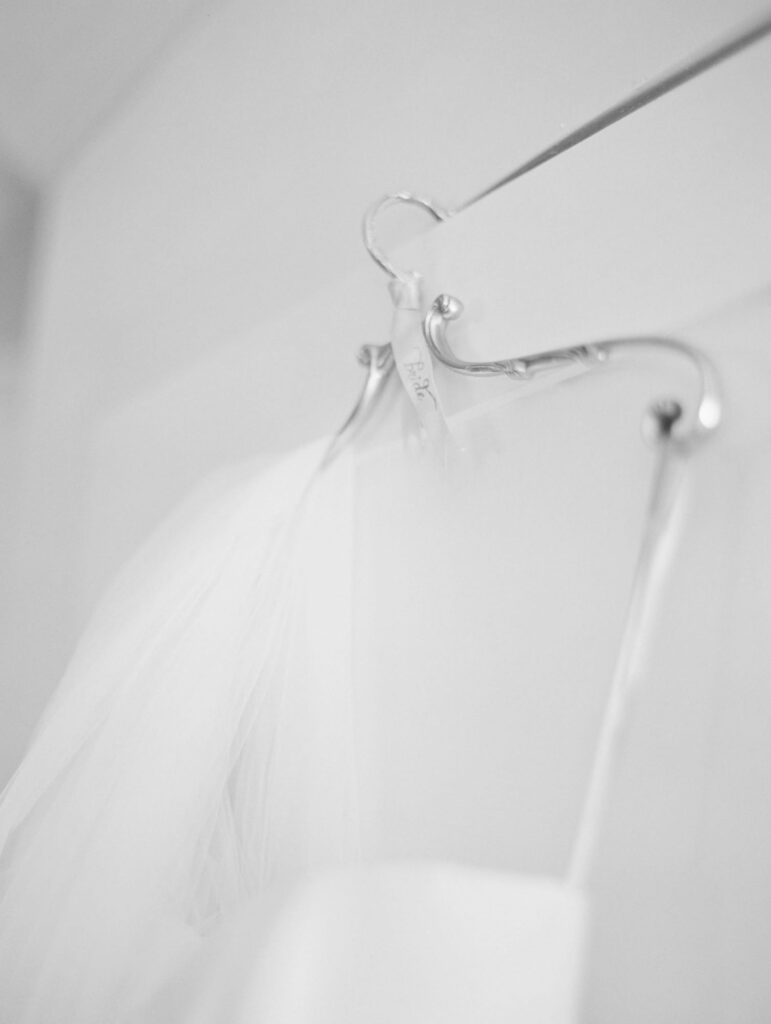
column 640, row 98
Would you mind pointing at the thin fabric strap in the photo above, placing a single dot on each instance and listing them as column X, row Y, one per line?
column 657, row 551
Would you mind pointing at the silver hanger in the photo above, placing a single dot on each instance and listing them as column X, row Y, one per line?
column 665, row 417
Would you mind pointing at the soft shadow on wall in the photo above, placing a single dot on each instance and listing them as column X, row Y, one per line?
column 19, row 215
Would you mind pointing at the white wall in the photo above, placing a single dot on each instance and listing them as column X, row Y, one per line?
column 63, row 68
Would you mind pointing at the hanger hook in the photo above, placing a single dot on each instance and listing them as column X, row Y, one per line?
column 368, row 225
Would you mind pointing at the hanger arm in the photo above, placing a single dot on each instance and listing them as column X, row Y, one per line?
column 707, row 409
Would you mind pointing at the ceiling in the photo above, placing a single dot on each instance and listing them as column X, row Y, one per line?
column 64, row 67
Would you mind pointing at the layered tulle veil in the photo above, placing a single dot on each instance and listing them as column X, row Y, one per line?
column 163, row 785
column 203, row 752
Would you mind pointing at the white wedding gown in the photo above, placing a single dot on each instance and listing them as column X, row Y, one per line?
column 323, row 751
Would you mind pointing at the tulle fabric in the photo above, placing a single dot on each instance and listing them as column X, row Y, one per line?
column 386, row 661
column 405, row 661
column 198, row 748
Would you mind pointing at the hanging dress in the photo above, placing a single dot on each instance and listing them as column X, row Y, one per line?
column 325, row 746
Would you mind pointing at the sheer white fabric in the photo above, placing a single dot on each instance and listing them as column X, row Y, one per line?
column 322, row 752
column 202, row 749
column 198, row 748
